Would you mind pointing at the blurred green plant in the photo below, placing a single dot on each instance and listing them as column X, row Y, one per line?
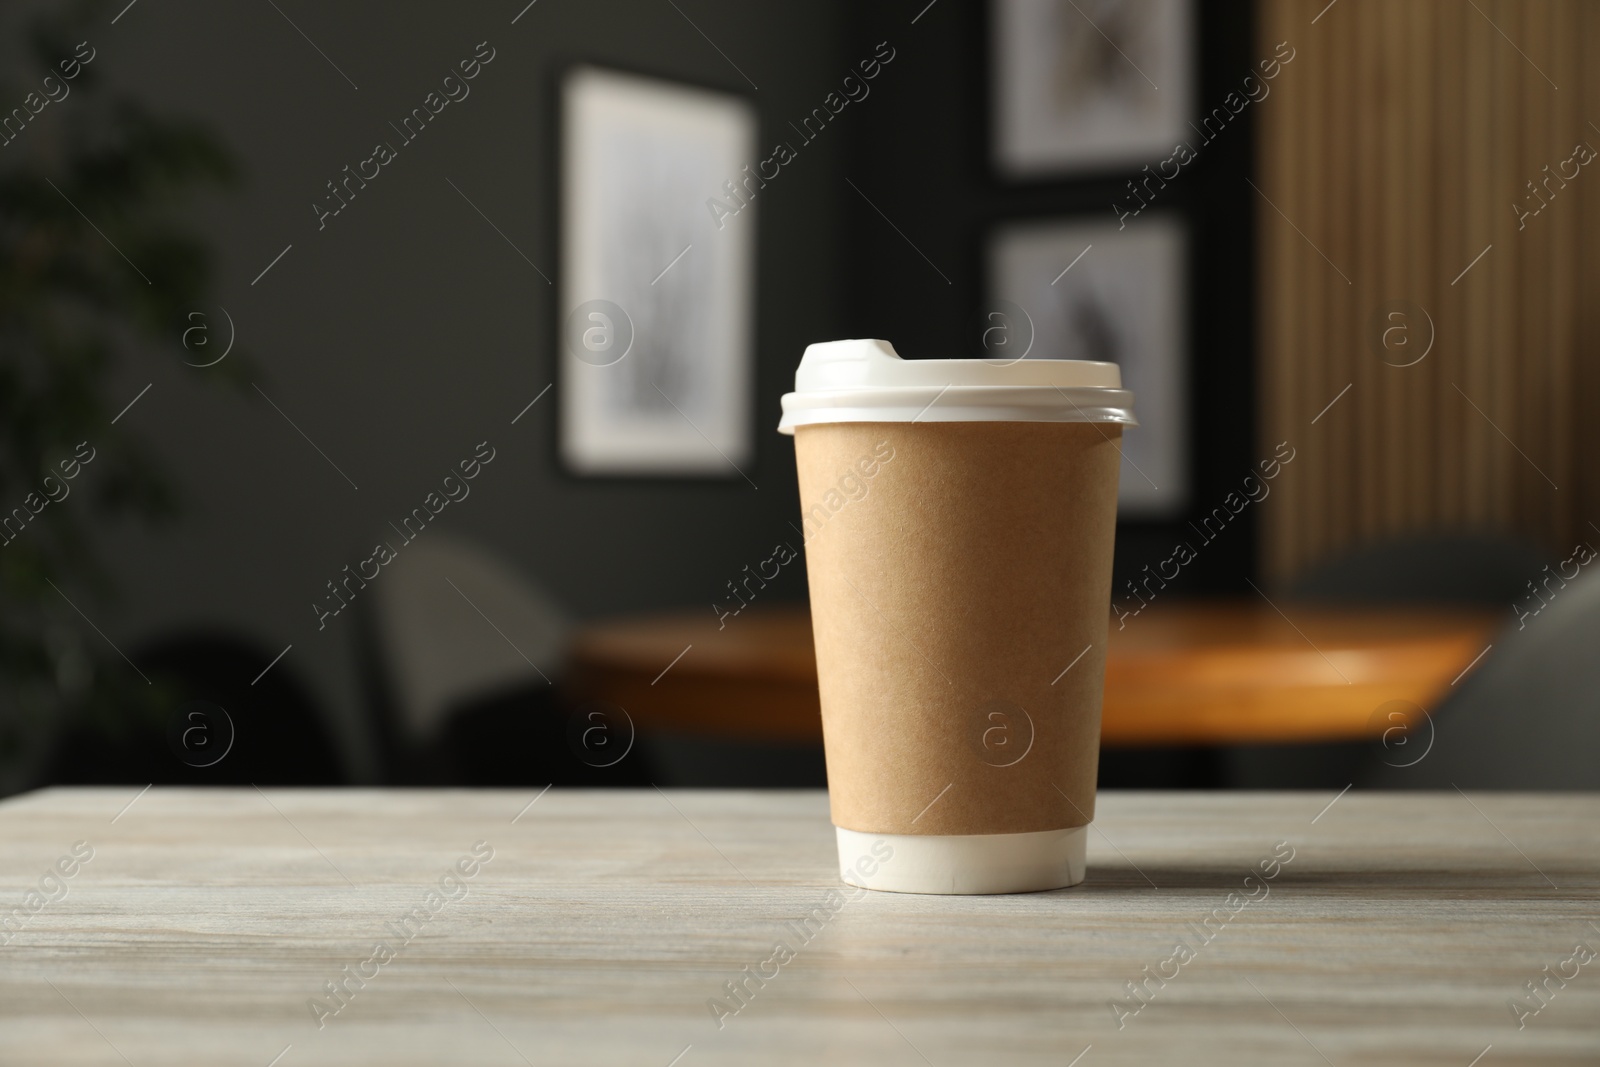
column 72, row 307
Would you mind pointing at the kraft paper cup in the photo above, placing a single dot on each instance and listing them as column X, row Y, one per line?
column 958, row 518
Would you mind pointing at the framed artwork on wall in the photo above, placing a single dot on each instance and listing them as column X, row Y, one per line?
column 656, row 289
column 1089, row 84
column 1101, row 291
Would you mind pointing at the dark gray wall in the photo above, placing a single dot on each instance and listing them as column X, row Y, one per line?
column 408, row 330
column 924, row 159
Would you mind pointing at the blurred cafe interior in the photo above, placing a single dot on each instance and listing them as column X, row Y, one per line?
column 305, row 480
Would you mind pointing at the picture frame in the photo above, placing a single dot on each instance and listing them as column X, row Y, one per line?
column 1080, row 85
column 1081, row 288
column 656, row 280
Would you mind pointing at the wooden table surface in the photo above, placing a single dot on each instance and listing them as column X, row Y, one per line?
column 206, row 921
column 1177, row 673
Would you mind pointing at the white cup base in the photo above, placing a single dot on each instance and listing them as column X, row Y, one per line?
column 964, row 863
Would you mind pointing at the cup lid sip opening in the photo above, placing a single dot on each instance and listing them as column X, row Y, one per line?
column 867, row 381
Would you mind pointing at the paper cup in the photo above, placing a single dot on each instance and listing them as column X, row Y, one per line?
column 959, row 517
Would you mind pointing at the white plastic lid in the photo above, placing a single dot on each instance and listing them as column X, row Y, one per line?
column 867, row 381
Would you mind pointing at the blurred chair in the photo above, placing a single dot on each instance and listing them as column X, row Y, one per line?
column 1528, row 717
column 463, row 656
column 273, row 733
column 1477, row 568
column 453, row 622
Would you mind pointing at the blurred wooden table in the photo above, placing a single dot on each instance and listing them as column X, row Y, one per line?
column 1180, row 673
column 602, row 923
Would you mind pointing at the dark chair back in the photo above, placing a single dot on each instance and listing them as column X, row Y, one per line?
column 1475, row 568
column 267, row 732
column 1529, row 716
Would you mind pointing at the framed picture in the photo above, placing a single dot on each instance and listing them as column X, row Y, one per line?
column 656, row 282
column 1096, row 290
column 1089, row 84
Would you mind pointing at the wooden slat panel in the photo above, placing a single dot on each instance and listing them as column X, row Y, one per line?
column 1279, row 340
column 1474, row 230
column 1585, row 436
column 1562, row 264
column 1397, row 143
column 1421, row 497
column 1285, row 388
column 1527, row 377
column 1451, row 143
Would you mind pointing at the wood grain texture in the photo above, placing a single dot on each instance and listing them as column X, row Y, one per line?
column 1177, row 673
column 1393, row 151
column 605, row 921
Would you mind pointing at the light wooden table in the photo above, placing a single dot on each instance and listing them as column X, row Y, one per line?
column 1186, row 672
column 605, row 921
